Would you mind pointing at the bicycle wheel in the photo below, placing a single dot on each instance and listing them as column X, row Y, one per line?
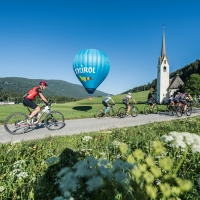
column 16, row 123
column 189, row 111
column 134, row 111
column 146, row 110
column 179, row 111
column 54, row 120
column 113, row 112
column 100, row 113
column 122, row 112
column 155, row 109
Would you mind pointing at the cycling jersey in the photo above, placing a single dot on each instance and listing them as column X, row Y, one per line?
column 126, row 98
column 33, row 93
column 107, row 99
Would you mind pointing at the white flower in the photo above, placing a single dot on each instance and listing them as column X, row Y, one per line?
column 22, row 175
column 18, row 163
column 15, row 171
column 195, row 148
column 116, row 143
column 179, row 143
column 167, row 138
column 2, row 188
column 87, row 138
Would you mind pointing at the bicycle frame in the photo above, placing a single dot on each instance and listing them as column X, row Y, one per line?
column 44, row 109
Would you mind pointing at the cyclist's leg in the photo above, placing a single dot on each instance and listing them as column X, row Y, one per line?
column 33, row 105
column 106, row 106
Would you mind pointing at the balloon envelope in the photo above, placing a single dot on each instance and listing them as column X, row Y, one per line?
column 91, row 67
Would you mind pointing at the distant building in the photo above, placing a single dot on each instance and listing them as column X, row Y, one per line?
column 165, row 86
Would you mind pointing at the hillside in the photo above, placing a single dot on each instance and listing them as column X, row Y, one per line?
column 184, row 73
column 55, row 87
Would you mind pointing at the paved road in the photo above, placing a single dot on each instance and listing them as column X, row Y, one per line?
column 88, row 125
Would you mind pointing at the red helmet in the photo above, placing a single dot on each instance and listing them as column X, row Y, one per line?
column 43, row 83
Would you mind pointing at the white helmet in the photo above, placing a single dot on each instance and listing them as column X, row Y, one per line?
column 129, row 93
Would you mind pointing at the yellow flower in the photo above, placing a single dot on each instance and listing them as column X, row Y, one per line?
column 166, row 163
column 185, row 185
column 142, row 167
column 123, row 147
column 156, row 171
column 158, row 147
column 165, row 189
column 131, row 159
column 149, row 178
column 151, row 191
column 150, row 161
column 176, row 191
column 138, row 154
column 136, row 173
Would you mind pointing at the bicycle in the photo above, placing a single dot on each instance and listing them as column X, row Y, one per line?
column 180, row 110
column 16, row 123
column 148, row 109
column 111, row 112
column 171, row 109
column 122, row 112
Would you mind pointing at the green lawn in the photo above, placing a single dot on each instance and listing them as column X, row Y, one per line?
column 84, row 108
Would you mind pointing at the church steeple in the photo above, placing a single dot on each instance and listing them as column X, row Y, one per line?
column 163, row 49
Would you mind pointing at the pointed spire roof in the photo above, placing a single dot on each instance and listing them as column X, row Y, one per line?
column 163, row 49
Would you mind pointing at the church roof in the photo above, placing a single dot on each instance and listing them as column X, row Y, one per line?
column 163, row 50
column 175, row 82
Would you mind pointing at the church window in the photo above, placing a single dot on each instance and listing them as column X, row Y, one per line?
column 164, row 61
column 164, row 69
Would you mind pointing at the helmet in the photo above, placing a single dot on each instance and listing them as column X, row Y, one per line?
column 129, row 93
column 43, row 83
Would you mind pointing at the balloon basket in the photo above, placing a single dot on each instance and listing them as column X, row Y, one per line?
column 90, row 98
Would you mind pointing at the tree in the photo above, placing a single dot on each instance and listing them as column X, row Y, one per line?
column 192, row 84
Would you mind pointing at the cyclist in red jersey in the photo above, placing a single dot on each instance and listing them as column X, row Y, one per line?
column 30, row 96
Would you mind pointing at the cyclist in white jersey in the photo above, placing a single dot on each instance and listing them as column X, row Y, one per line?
column 105, row 102
column 126, row 101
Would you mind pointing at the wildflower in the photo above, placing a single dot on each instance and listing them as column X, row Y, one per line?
column 87, row 138
column 165, row 189
column 185, row 185
column 142, row 167
column 149, row 178
column 150, row 162
column 2, row 188
column 195, row 148
column 22, row 175
column 15, row 171
column 151, row 191
column 131, row 159
column 138, row 154
column 136, row 173
column 94, row 183
column 116, row 143
column 176, row 191
column 158, row 147
column 156, row 171
column 166, row 163
column 18, row 163
column 123, row 147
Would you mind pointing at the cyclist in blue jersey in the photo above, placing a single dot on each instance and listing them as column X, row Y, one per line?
column 105, row 102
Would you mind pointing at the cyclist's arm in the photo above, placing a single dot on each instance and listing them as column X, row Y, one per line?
column 43, row 98
column 133, row 100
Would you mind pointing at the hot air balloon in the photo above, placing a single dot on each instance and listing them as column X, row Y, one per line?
column 91, row 67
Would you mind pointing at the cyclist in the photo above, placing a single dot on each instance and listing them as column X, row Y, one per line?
column 105, row 102
column 30, row 96
column 126, row 101
column 171, row 100
column 151, row 99
column 183, row 100
column 177, row 98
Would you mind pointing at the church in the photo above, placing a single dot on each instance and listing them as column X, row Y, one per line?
column 165, row 86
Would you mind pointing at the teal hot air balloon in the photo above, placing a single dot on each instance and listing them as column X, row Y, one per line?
column 91, row 67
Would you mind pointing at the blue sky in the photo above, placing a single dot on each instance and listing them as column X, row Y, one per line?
column 39, row 39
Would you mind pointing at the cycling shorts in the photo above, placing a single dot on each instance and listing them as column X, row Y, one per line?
column 29, row 103
column 105, row 104
column 150, row 102
column 126, row 103
column 183, row 102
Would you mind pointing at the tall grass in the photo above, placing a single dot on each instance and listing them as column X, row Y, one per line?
column 28, row 170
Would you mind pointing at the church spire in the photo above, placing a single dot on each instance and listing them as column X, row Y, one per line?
column 163, row 49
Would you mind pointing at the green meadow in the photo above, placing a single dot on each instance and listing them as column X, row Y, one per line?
column 159, row 160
